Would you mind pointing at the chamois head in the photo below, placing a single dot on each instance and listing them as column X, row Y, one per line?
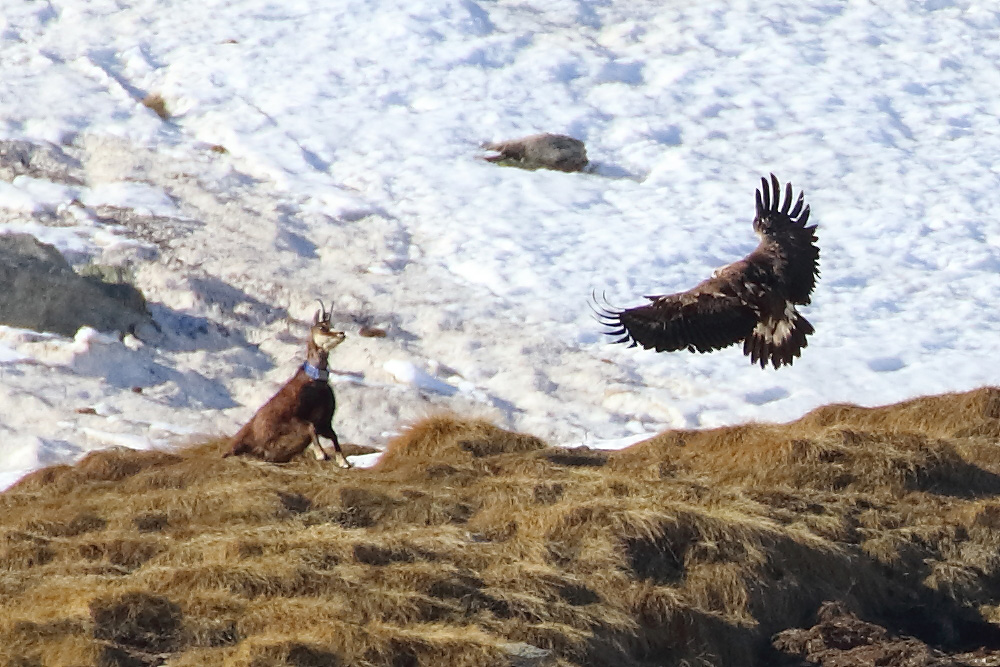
column 321, row 334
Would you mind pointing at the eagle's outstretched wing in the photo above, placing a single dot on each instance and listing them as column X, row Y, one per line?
column 702, row 319
column 752, row 300
column 785, row 236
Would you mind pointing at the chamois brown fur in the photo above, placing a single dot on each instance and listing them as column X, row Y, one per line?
column 301, row 411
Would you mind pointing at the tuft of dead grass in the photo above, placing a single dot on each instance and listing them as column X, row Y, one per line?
column 449, row 440
column 155, row 103
column 936, row 443
column 472, row 545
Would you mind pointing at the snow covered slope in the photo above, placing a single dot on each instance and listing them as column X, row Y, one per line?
column 330, row 150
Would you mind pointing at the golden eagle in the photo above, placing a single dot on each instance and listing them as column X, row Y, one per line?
column 752, row 300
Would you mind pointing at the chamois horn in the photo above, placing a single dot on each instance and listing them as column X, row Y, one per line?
column 322, row 316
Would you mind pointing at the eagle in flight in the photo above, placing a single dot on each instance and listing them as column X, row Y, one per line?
column 752, row 300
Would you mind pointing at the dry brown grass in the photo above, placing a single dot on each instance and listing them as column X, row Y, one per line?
column 469, row 545
column 155, row 103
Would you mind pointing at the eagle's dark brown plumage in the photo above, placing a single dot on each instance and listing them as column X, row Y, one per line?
column 752, row 300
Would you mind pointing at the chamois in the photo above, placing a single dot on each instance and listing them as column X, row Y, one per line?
column 301, row 411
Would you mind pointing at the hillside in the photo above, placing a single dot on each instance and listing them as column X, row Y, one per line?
column 471, row 545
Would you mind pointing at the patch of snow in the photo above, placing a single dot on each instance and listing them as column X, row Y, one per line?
column 140, row 197
column 9, row 355
column 612, row 443
column 407, row 372
column 364, row 460
column 112, row 439
column 8, row 478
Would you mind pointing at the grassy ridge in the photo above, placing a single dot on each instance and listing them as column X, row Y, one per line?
column 471, row 545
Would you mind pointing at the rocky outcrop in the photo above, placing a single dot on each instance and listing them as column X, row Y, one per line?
column 39, row 290
column 841, row 639
column 540, row 151
column 38, row 160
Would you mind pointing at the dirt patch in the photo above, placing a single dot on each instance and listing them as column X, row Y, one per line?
column 138, row 629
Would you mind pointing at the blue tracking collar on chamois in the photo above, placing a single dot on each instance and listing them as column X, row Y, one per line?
column 320, row 375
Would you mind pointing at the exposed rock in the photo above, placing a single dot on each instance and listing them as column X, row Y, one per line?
column 42, row 292
column 46, row 161
column 540, row 151
column 841, row 639
column 527, row 655
column 158, row 230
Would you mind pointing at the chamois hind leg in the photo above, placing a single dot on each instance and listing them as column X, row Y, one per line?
column 236, row 448
column 338, row 455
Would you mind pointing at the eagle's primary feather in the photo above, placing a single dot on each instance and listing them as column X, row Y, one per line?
column 752, row 300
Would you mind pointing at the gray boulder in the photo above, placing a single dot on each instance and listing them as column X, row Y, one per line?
column 540, row 151
column 39, row 290
column 45, row 161
column 527, row 655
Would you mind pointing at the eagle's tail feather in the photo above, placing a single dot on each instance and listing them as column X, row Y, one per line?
column 778, row 340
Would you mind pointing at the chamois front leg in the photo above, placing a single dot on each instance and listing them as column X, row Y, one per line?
column 338, row 455
column 339, row 458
